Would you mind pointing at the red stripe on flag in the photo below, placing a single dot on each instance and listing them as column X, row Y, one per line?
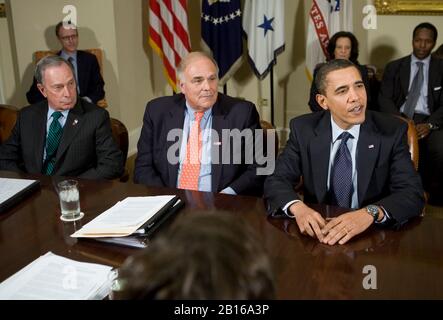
column 156, row 40
column 320, row 27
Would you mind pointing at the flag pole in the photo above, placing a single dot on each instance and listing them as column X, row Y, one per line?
column 272, row 94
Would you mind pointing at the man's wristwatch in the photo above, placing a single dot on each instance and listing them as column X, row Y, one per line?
column 432, row 127
column 373, row 211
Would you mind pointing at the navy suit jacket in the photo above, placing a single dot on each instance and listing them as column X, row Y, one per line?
column 167, row 113
column 386, row 175
column 90, row 80
column 86, row 150
column 395, row 87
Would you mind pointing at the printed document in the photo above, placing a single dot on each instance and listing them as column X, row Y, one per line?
column 52, row 277
column 124, row 218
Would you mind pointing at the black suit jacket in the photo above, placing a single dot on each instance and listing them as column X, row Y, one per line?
column 167, row 113
column 86, row 150
column 90, row 80
column 386, row 175
column 395, row 87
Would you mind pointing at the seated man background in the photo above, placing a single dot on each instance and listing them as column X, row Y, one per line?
column 86, row 68
column 412, row 86
column 202, row 256
column 370, row 171
column 62, row 135
column 187, row 119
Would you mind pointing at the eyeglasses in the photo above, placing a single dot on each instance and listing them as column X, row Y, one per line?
column 67, row 38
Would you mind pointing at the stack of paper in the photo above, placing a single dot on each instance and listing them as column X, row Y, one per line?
column 51, row 277
column 124, row 218
column 13, row 190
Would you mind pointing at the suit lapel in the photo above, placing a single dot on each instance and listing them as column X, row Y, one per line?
column 368, row 148
column 177, row 118
column 433, row 82
column 405, row 73
column 320, row 149
column 72, row 126
column 38, row 131
column 218, row 123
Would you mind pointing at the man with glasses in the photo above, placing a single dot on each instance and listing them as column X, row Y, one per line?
column 61, row 135
column 86, row 68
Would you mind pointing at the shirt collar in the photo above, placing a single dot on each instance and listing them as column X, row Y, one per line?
column 191, row 112
column 336, row 130
column 425, row 61
column 51, row 111
column 66, row 55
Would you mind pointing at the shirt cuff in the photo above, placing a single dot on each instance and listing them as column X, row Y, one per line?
column 286, row 207
column 386, row 217
column 229, row 190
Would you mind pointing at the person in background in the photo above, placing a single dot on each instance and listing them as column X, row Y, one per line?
column 348, row 157
column 62, row 135
column 86, row 68
column 202, row 256
column 203, row 161
column 412, row 87
column 342, row 45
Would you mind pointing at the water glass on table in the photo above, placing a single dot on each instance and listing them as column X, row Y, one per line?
column 69, row 196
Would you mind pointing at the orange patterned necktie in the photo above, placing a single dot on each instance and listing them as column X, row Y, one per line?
column 191, row 166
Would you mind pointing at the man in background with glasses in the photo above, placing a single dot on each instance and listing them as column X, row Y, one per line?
column 86, row 68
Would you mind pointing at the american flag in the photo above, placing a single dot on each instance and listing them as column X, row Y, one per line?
column 168, row 34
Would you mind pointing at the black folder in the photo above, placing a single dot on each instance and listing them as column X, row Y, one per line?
column 140, row 239
column 19, row 196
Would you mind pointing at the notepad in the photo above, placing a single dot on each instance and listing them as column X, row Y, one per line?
column 12, row 191
column 52, row 277
column 127, row 216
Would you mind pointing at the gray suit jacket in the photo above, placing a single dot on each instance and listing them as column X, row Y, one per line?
column 86, row 150
column 386, row 175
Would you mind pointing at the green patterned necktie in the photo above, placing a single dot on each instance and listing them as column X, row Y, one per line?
column 52, row 142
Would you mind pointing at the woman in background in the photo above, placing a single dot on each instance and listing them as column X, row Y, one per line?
column 342, row 45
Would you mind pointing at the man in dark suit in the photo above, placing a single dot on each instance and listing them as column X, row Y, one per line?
column 371, row 172
column 86, row 68
column 165, row 148
column 62, row 135
column 424, row 104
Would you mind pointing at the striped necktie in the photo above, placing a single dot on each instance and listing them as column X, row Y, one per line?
column 52, row 142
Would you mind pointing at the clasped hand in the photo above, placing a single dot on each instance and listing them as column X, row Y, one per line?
column 340, row 229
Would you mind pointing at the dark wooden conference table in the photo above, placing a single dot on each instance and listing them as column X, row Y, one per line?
column 408, row 262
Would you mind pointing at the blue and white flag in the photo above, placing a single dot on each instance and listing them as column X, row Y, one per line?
column 222, row 34
column 263, row 23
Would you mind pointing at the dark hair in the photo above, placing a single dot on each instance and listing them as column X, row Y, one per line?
column 63, row 24
column 202, row 256
column 426, row 25
column 354, row 45
column 326, row 68
column 49, row 61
